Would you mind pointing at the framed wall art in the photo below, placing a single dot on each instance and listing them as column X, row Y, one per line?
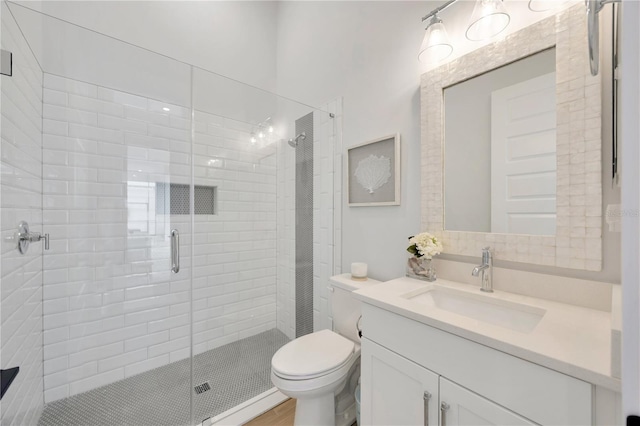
column 373, row 173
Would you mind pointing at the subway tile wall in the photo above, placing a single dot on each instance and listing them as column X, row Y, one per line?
column 327, row 199
column 234, row 263
column 21, row 199
column 286, row 241
column 112, row 307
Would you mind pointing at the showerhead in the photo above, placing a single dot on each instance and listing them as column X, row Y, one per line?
column 293, row 143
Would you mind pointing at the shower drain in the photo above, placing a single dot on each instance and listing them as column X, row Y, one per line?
column 202, row 388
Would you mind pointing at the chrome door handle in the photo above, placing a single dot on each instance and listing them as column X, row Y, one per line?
column 444, row 407
column 426, row 398
column 175, row 251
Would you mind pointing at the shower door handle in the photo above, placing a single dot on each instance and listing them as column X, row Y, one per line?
column 175, row 251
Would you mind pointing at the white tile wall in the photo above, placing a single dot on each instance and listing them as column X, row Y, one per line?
column 234, row 285
column 327, row 157
column 327, row 199
column 21, row 199
column 286, row 244
column 112, row 308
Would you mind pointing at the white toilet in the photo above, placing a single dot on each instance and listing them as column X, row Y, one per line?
column 321, row 370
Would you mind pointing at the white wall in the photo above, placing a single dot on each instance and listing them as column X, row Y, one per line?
column 233, row 38
column 367, row 53
column 21, row 199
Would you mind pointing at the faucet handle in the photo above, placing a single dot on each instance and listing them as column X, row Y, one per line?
column 487, row 255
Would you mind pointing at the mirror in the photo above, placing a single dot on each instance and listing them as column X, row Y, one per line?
column 572, row 236
column 500, row 149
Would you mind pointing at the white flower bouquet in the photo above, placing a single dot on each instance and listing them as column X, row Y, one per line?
column 424, row 245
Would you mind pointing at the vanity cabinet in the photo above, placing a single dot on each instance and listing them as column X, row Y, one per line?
column 463, row 407
column 403, row 358
column 396, row 391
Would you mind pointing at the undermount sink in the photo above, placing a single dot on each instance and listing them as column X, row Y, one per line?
column 484, row 308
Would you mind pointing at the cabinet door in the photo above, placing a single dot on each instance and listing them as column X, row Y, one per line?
column 464, row 407
column 394, row 390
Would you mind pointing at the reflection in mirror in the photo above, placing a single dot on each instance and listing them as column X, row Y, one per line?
column 500, row 149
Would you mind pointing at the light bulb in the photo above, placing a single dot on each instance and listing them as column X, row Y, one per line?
column 270, row 129
column 261, row 135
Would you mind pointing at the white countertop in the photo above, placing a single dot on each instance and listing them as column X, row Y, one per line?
column 572, row 340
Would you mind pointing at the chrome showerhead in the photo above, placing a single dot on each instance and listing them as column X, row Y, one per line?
column 294, row 142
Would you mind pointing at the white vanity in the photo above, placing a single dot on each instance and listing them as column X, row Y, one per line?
column 444, row 353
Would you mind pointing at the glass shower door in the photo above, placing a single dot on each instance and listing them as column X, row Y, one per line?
column 253, row 253
column 116, row 162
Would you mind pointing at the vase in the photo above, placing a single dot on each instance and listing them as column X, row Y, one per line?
column 421, row 268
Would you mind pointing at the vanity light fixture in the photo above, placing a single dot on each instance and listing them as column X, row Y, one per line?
column 489, row 18
column 435, row 45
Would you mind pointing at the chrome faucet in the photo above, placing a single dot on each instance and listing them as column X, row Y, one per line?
column 487, row 270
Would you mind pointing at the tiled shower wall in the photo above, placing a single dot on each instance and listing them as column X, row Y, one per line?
column 21, row 195
column 234, row 286
column 327, row 199
column 327, row 210
column 112, row 308
column 304, row 225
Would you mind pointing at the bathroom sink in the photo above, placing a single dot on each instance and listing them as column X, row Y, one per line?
column 480, row 307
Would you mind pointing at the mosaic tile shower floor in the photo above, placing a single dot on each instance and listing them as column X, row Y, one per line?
column 236, row 372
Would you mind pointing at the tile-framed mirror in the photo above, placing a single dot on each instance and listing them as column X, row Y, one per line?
column 567, row 231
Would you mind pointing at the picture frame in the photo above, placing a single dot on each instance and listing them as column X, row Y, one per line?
column 373, row 173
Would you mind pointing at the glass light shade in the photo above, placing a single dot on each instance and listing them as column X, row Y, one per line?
column 435, row 45
column 489, row 19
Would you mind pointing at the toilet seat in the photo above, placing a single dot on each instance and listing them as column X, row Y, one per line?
column 312, row 356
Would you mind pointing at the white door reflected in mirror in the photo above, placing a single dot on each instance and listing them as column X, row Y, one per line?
column 500, row 149
column 523, row 157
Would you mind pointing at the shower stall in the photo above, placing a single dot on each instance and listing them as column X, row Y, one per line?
column 182, row 227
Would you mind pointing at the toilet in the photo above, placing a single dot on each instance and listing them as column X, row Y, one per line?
column 321, row 370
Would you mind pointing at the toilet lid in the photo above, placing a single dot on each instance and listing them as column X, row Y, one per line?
column 312, row 354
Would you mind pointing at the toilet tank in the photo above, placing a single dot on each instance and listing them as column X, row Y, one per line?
column 344, row 307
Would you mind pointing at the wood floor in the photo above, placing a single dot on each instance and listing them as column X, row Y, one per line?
column 282, row 415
